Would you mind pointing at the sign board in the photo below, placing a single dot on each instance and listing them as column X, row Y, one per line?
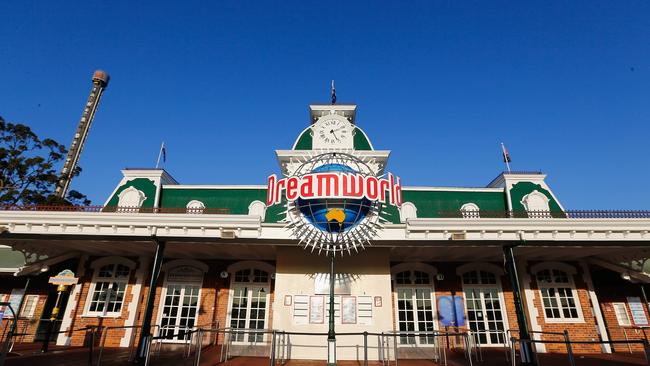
column 636, row 308
column 451, row 311
column 64, row 278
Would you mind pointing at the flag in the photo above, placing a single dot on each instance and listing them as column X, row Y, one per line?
column 333, row 93
column 506, row 156
column 164, row 153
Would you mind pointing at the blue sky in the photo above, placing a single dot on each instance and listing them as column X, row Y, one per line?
column 566, row 85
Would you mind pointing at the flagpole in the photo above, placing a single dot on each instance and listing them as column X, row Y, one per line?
column 162, row 147
column 506, row 157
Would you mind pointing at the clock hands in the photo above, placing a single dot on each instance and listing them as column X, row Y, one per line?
column 333, row 134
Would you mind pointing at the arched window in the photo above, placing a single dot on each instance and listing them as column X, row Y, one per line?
column 470, row 211
column 414, row 296
column 557, row 291
column 479, row 277
column 195, row 207
column 130, row 200
column 108, row 287
column 536, row 204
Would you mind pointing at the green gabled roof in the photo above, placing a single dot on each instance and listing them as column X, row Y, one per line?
column 361, row 142
column 438, row 202
column 235, row 199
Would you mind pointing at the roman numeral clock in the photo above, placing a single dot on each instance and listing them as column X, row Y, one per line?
column 332, row 131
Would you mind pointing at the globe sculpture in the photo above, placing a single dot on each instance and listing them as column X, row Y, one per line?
column 342, row 225
column 333, row 215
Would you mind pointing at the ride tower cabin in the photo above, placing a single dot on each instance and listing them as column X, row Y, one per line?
column 490, row 262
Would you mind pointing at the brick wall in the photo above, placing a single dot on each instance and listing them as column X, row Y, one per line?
column 586, row 330
column 611, row 288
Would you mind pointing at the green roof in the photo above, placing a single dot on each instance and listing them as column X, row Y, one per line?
column 437, row 202
column 430, row 203
column 236, row 199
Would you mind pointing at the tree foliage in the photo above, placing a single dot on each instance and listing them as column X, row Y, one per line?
column 28, row 168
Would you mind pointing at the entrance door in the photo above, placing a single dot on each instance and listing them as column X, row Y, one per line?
column 179, row 311
column 485, row 315
column 248, row 311
column 180, row 304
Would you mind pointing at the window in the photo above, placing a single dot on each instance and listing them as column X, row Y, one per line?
column 470, row 211
column 622, row 316
column 536, row 204
column 29, row 306
column 479, row 278
column 108, row 289
column 195, row 207
column 412, row 277
column 558, row 296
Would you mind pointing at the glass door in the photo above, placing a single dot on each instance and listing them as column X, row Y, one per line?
column 180, row 310
column 415, row 314
column 484, row 314
column 248, row 311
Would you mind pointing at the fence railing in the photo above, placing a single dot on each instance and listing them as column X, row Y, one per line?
column 467, row 214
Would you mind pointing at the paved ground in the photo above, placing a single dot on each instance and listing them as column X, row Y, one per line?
column 27, row 355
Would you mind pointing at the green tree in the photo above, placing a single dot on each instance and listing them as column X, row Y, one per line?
column 28, row 174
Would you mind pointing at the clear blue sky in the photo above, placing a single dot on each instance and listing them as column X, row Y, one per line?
column 565, row 84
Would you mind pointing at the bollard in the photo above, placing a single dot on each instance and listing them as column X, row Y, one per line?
column 365, row 348
column 90, row 346
column 572, row 361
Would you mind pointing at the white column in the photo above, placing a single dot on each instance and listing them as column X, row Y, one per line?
column 136, row 289
column 62, row 339
column 529, row 298
column 595, row 307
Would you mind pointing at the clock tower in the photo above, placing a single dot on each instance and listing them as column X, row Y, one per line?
column 332, row 126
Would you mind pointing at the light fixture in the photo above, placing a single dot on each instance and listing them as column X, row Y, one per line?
column 45, row 268
column 625, row 276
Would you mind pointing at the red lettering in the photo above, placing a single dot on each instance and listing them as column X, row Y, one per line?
column 270, row 189
column 292, row 185
column 372, row 186
column 352, row 185
column 278, row 190
column 383, row 186
column 328, row 185
column 307, row 186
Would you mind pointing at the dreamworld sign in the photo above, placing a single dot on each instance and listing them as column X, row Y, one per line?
column 335, row 201
column 335, row 185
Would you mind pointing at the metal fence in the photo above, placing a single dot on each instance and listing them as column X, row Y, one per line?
column 469, row 214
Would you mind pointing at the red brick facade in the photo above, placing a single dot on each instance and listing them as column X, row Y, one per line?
column 214, row 300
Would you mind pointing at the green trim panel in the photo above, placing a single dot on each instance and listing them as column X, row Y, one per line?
column 435, row 204
column 236, row 200
column 145, row 185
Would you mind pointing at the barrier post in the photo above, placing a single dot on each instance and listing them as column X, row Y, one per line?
column 572, row 361
column 365, row 348
column 646, row 350
column 273, row 348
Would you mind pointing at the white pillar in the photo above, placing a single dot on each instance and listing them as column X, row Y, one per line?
column 62, row 339
column 136, row 289
column 595, row 307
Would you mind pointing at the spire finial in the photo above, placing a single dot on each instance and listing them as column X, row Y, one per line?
column 333, row 93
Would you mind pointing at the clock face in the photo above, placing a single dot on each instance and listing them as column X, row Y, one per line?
column 333, row 131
